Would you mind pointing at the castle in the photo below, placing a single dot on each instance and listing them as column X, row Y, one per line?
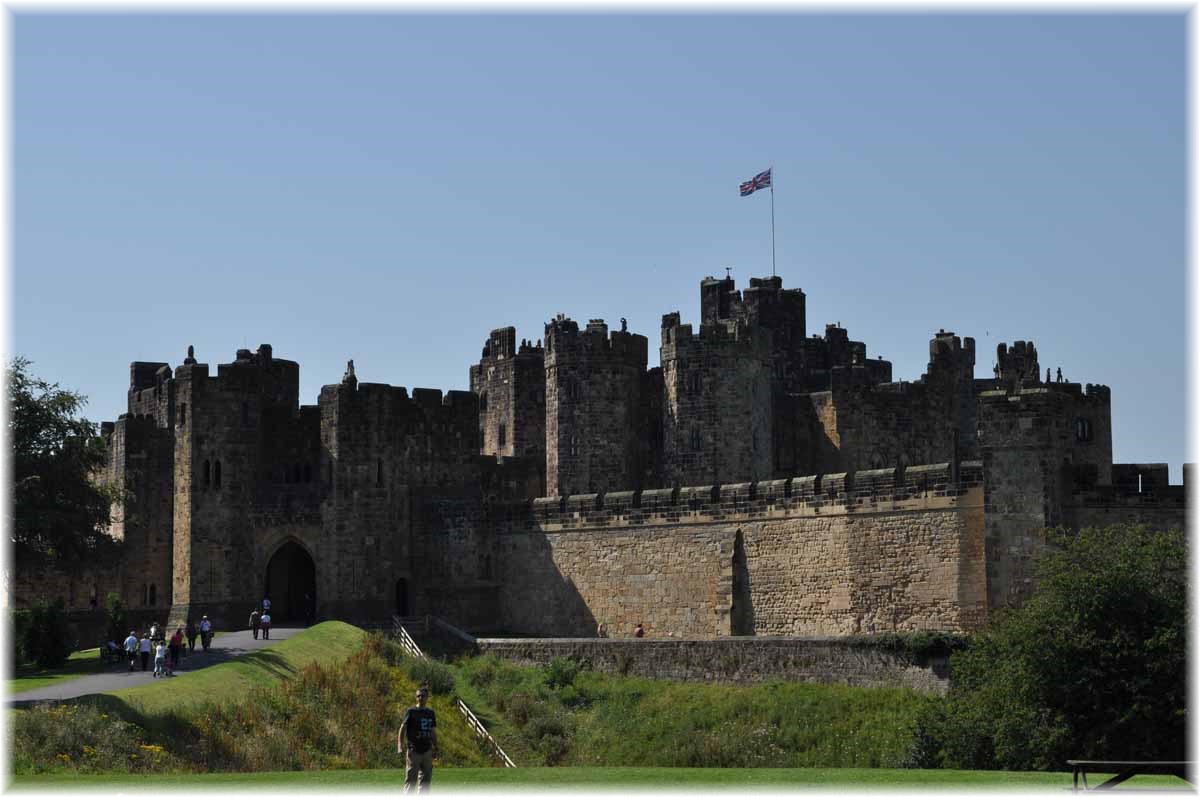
column 759, row 481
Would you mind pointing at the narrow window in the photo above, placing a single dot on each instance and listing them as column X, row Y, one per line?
column 183, row 414
column 153, row 594
column 217, row 475
column 1139, row 483
column 483, row 402
column 245, row 414
column 207, row 474
column 696, row 439
column 379, row 473
column 502, row 434
column 145, row 594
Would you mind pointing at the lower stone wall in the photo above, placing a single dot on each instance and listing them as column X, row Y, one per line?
column 671, row 579
column 844, row 660
column 880, row 567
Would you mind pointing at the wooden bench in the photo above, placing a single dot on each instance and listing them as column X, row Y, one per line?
column 1127, row 769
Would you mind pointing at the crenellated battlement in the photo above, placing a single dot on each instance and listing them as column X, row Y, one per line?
column 566, row 342
column 882, row 490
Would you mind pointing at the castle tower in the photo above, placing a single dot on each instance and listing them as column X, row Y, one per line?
column 511, row 385
column 951, row 373
column 594, row 407
column 1035, row 443
column 223, row 454
column 717, row 407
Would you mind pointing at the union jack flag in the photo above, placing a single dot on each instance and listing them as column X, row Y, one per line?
column 761, row 180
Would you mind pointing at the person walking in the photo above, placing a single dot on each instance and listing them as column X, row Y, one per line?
column 255, row 619
column 175, row 647
column 144, row 651
column 131, row 649
column 205, row 632
column 638, row 631
column 264, row 623
column 160, row 659
column 192, row 631
column 418, row 741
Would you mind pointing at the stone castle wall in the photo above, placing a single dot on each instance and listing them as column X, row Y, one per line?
column 842, row 554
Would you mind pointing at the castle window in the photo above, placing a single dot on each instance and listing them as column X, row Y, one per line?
column 483, row 402
column 502, row 434
column 693, row 384
column 379, row 473
column 216, row 475
column 696, row 441
column 245, row 414
column 183, row 414
column 1083, row 430
column 153, row 594
column 145, row 594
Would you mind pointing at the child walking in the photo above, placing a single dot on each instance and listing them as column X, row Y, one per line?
column 160, row 659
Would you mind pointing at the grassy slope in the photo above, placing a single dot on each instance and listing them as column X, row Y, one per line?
column 611, row 719
column 80, row 663
column 323, row 643
column 601, row 777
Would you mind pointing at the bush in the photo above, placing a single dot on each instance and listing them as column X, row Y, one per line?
column 438, row 676
column 1092, row 666
column 118, row 624
column 561, row 672
column 80, row 738
column 42, row 636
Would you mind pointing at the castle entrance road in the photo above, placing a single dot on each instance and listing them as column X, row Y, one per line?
column 225, row 646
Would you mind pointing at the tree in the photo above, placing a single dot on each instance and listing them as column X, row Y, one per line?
column 114, row 613
column 59, row 513
column 1092, row 666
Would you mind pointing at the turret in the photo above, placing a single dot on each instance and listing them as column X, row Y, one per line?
column 594, row 407
column 511, row 384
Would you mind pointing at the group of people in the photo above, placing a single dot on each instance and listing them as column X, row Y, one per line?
column 166, row 652
column 638, row 631
column 261, row 621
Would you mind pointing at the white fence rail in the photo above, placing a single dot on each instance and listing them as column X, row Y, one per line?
column 413, row 649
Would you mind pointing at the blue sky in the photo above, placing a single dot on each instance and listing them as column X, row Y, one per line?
column 390, row 187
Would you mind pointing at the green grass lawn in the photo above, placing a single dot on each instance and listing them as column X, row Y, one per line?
column 604, row 777
column 81, row 662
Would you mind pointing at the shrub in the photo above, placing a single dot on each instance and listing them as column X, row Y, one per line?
column 1092, row 666
column 438, row 676
column 561, row 672
column 42, row 636
column 520, row 708
column 117, row 623
column 81, row 738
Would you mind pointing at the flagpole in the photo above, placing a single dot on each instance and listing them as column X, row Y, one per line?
column 772, row 222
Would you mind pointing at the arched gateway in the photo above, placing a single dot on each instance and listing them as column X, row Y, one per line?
column 291, row 584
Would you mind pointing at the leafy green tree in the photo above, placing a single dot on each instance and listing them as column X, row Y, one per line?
column 1092, row 666
column 59, row 513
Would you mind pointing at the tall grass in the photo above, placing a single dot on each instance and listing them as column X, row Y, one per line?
column 563, row 715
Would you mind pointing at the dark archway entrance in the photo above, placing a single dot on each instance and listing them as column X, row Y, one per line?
column 402, row 598
column 291, row 584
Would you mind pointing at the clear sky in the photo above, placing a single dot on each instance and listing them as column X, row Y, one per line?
column 390, row 187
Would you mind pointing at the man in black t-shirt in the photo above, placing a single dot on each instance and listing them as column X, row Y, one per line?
column 418, row 738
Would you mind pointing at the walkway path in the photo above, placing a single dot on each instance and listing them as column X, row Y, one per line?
column 225, row 646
